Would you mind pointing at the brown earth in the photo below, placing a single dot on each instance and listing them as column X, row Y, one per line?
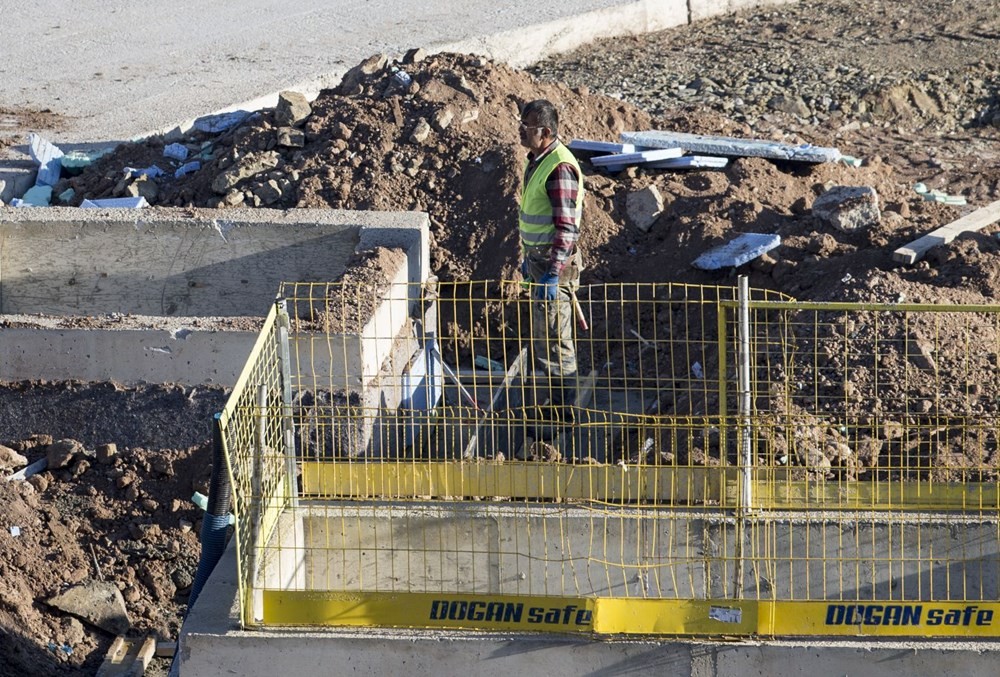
column 360, row 152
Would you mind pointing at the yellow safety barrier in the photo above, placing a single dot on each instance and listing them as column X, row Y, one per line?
column 723, row 462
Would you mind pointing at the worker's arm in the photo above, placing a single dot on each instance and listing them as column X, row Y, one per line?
column 563, row 187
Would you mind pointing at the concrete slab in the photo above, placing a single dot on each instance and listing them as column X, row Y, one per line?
column 728, row 146
column 744, row 248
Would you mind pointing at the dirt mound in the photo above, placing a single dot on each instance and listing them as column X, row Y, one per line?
column 122, row 513
column 442, row 139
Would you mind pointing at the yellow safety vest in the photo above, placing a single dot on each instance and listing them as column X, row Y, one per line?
column 535, row 220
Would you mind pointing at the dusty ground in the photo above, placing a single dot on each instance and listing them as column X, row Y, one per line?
column 911, row 89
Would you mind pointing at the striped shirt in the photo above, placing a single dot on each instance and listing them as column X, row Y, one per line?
column 562, row 187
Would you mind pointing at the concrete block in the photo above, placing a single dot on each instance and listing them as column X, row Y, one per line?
column 743, row 249
column 728, row 146
column 643, row 207
column 848, row 208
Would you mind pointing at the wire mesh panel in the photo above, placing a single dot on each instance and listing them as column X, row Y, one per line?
column 440, row 456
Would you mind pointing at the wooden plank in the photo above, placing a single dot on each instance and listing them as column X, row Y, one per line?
column 977, row 220
column 127, row 657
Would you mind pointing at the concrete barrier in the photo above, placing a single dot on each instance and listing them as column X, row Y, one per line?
column 163, row 295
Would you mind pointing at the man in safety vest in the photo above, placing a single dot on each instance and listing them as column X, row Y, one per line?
column 551, row 206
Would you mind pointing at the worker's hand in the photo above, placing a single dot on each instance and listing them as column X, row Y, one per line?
column 524, row 269
column 547, row 287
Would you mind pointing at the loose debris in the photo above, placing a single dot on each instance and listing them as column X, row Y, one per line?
column 977, row 220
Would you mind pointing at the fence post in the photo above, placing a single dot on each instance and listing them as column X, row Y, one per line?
column 287, row 424
column 745, row 503
column 746, row 451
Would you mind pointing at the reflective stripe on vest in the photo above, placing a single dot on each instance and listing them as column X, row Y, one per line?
column 536, row 224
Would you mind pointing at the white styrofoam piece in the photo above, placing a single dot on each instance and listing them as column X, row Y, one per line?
column 600, row 146
column 48, row 158
column 746, row 247
column 637, row 157
column 690, row 161
column 732, row 147
column 115, row 203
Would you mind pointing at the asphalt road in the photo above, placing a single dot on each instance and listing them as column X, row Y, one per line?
column 118, row 69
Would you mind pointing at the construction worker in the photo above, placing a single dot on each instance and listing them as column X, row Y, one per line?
column 550, row 210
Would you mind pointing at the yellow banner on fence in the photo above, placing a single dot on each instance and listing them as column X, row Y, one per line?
column 636, row 617
column 884, row 619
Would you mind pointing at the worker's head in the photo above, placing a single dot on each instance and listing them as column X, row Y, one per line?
column 539, row 125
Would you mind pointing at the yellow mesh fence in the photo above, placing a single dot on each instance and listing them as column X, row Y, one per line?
column 699, row 461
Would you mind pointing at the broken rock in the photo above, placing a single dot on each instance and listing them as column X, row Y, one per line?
column 292, row 109
column 848, row 208
column 98, row 603
column 245, row 167
column 644, row 207
column 61, row 453
column 421, row 131
column 10, row 459
column 289, row 137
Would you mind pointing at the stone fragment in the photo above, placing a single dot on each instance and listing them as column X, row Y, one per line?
column 40, row 482
column 920, row 353
column 143, row 187
column 233, row 198
column 792, row 105
column 415, row 55
column 269, row 193
column 292, row 109
column 289, row 137
column 10, row 459
column 61, row 453
column 98, row 603
column 644, row 207
column 421, row 131
column 244, row 168
column 442, row 118
column 107, row 452
column 469, row 115
column 352, row 78
column 848, row 208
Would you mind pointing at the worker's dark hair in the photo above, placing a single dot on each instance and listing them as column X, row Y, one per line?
column 545, row 114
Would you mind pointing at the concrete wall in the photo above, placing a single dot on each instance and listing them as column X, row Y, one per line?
column 211, row 643
column 160, row 295
column 499, row 548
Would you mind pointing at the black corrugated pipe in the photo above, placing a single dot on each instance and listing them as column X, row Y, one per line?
column 215, row 523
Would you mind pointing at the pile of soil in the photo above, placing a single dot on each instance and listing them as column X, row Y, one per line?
column 117, row 507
